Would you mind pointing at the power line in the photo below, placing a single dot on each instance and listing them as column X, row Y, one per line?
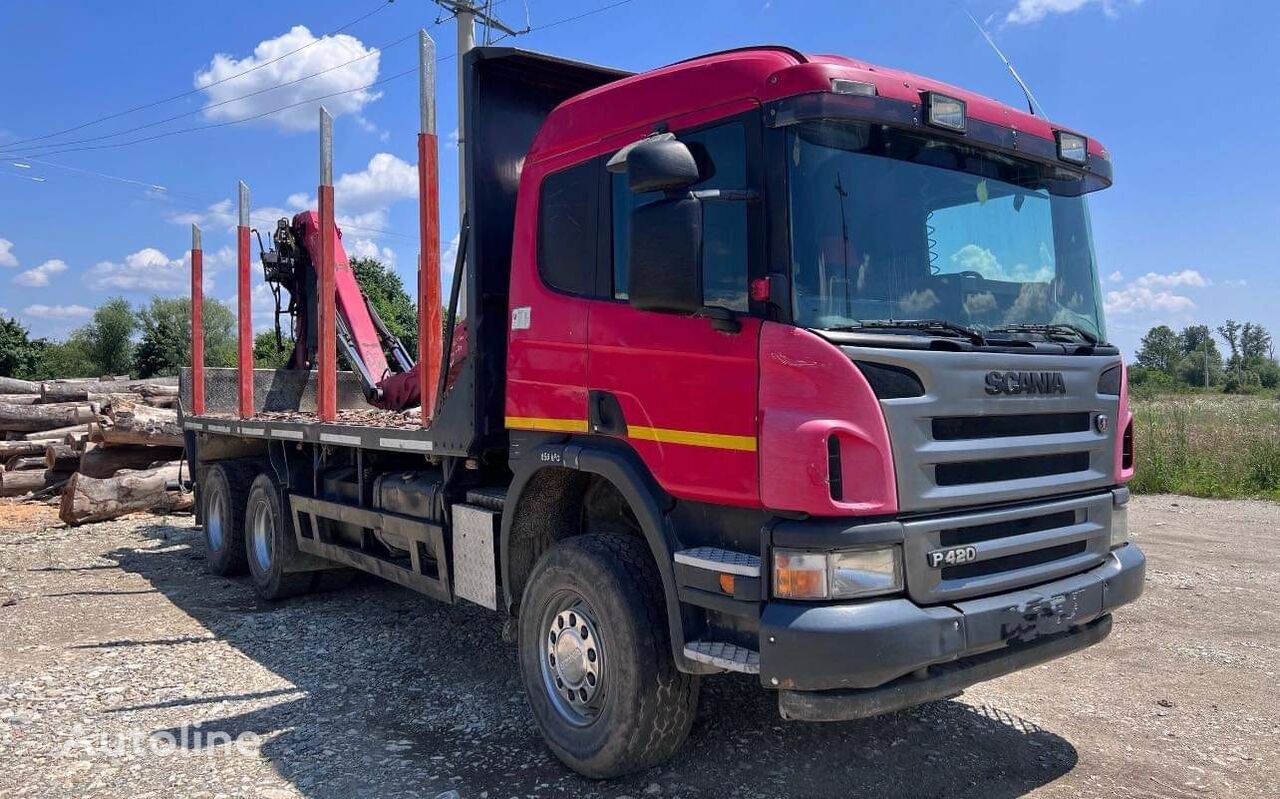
column 190, row 92
column 567, row 20
column 229, row 123
column 372, row 52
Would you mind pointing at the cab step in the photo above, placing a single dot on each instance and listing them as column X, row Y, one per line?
column 720, row 560
column 730, row 657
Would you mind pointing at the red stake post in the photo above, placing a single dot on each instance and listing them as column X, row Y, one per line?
column 328, row 343
column 429, row 321
column 197, row 323
column 244, row 312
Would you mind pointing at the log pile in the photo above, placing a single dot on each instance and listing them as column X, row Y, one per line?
column 99, row 448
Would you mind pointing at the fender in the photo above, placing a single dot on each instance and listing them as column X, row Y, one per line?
column 622, row 467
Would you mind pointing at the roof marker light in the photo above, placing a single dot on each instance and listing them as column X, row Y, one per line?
column 846, row 86
column 942, row 111
column 1072, row 148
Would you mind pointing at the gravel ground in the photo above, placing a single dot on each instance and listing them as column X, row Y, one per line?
column 127, row 670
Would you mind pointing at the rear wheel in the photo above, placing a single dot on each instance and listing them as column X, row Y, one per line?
column 222, row 497
column 269, row 544
column 595, row 657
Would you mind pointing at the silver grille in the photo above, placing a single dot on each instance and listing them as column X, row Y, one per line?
column 992, row 449
column 1015, row 547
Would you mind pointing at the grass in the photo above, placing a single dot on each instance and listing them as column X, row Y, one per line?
column 1208, row 445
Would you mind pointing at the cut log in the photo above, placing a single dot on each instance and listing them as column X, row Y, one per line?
column 9, row 449
column 15, row 484
column 19, row 399
column 34, row 418
column 24, row 463
column 103, row 461
column 61, row 458
column 86, row 499
column 12, row 385
column 58, row 433
column 135, row 423
column 51, row 390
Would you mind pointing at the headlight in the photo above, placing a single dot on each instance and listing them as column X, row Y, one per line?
column 836, row 575
column 1120, row 524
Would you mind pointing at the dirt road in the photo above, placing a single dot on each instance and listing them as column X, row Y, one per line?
column 127, row 670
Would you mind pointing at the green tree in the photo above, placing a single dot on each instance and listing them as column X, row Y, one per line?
column 268, row 354
column 1255, row 343
column 1161, row 350
column 68, row 358
column 165, row 345
column 386, row 293
column 1230, row 332
column 19, row 355
column 109, row 337
column 1202, row 363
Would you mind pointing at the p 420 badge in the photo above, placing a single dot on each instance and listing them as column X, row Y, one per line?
column 952, row 557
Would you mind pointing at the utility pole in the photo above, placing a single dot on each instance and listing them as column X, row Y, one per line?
column 467, row 13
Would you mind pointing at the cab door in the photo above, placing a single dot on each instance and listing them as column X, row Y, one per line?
column 681, row 392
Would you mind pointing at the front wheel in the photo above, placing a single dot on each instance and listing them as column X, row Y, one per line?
column 595, row 657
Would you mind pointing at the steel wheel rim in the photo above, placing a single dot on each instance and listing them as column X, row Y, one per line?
column 260, row 536
column 571, row 656
column 215, row 525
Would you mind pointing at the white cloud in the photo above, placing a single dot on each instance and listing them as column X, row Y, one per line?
column 39, row 276
column 367, row 248
column 972, row 258
column 57, row 311
column 7, row 258
column 1153, row 292
column 1027, row 11
column 147, row 269
column 1116, row 277
column 326, row 53
column 362, row 198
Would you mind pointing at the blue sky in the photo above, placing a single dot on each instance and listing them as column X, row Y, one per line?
column 1178, row 91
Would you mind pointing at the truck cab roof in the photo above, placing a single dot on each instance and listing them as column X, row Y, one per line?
column 755, row 75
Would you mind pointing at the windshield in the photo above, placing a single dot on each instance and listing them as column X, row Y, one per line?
column 886, row 225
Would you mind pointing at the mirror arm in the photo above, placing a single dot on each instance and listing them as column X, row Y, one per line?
column 722, row 319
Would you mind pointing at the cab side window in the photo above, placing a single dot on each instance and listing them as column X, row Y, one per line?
column 721, row 153
column 567, row 227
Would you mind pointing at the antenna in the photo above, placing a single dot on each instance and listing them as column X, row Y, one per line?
column 1033, row 105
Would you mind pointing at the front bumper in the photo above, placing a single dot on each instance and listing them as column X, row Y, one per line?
column 851, row 660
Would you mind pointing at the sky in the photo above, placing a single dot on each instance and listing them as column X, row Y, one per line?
column 1178, row 91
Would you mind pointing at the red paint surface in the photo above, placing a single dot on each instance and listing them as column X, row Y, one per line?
column 546, row 363
column 759, row 75
column 810, row 390
column 429, row 313
column 1124, row 475
column 349, row 300
column 197, row 332
column 244, row 315
column 327, row 329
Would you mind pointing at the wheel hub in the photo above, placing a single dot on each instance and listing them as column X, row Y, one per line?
column 261, row 533
column 574, row 662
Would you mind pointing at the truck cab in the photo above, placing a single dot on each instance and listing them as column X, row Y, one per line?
column 844, row 324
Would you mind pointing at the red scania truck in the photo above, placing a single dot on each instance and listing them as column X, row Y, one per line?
column 760, row 362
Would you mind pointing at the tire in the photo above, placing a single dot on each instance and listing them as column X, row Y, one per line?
column 637, row 709
column 222, row 499
column 269, row 543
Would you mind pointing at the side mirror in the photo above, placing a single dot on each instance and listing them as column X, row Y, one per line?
column 666, row 256
column 659, row 163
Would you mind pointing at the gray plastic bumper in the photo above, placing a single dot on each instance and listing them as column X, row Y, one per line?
column 845, row 649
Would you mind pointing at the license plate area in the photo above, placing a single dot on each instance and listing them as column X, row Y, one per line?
column 1027, row 615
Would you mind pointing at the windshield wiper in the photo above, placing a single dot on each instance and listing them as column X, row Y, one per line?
column 926, row 325
column 1059, row 328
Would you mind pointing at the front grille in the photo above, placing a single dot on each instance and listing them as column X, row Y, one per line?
column 1013, row 562
column 965, row 428
column 997, row 469
column 1006, row 529
column 1015, row 547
